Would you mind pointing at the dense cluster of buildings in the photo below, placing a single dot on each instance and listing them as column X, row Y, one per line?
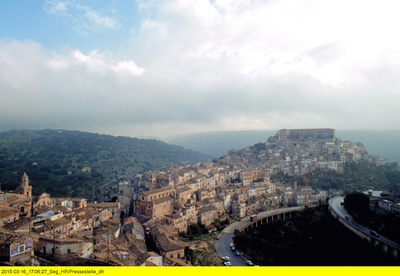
column 65, row 230
column 166, row 201
column 239, row 183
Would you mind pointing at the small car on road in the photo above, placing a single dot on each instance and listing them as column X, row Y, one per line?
column 373, row 233
column 237, row 253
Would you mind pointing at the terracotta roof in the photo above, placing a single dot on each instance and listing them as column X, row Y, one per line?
column 158, row 191
column 127, row 220
column 13, row 198
column 90, row 213
column 174, row 216
column 162, row 200
column 183, row 189
column 7, row 237
column 142, row 258
column 166, row 244
column 149, row 263
column 21, row 223
column 153, row 254
column 103, row 256
column 6, row 213
column 6, row 206
column 207, row 209
column 104, row 205
column 78, row 199
column 58, row 222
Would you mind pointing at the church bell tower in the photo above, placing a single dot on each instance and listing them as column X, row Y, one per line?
column 24, row 188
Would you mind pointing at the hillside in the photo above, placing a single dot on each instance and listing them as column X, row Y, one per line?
column 385, row 143
column 54, row 159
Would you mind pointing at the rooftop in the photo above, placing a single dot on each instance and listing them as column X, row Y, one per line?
column 156, row 191
column 7, row 237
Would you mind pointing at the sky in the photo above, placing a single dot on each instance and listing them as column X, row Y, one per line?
column 162, row 68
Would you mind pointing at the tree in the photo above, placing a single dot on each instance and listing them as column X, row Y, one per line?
column 358, row 203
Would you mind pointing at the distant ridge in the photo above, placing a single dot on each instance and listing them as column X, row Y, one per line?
column 218, row 143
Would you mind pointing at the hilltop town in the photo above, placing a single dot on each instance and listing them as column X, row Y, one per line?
column 158, row 205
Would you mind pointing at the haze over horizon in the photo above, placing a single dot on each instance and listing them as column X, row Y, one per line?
column 165, row 68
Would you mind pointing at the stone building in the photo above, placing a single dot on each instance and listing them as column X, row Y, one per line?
column 156, row 203
column 20, row 201
column 8, row 215
column 190, row 213
column 247, row 177
column 179, row 222
column 157, row 193
column 326, row 134
column 39, row 201
column 207, row 215
column 113, row 208
column 183, row 194
column 168, row 248
column 15, row 248
column 205, row 194
column 125, row 189
column 64, row 248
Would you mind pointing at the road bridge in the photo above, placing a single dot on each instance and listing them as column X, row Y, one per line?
column 386, row 245
column 270, row 217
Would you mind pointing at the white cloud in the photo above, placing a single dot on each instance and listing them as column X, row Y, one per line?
column 215, row 65
column 93, row 62
column 260, row 37
column 94, row 18
column 82, row 18
column 56, row 7
column 129, row 66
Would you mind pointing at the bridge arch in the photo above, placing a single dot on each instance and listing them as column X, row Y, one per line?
column 271, row 217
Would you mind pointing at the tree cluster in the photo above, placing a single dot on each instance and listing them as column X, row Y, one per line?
column 53, row 160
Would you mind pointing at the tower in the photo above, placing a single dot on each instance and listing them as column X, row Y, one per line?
column 24, row 188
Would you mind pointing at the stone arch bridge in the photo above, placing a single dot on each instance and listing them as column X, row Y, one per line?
column 270, row 217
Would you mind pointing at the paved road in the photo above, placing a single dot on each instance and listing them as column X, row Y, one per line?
column 339, row 209
column 225, row 238
column 222, row 245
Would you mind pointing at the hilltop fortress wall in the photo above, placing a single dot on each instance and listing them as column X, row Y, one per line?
column 326, row 134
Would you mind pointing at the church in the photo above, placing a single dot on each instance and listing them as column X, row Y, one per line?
column 18, row 205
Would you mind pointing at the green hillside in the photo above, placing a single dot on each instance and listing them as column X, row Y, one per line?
column 53, row 160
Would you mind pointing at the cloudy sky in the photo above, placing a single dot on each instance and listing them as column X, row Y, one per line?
column 160, row 68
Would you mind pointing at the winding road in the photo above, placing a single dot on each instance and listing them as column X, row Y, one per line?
column 336, row 204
